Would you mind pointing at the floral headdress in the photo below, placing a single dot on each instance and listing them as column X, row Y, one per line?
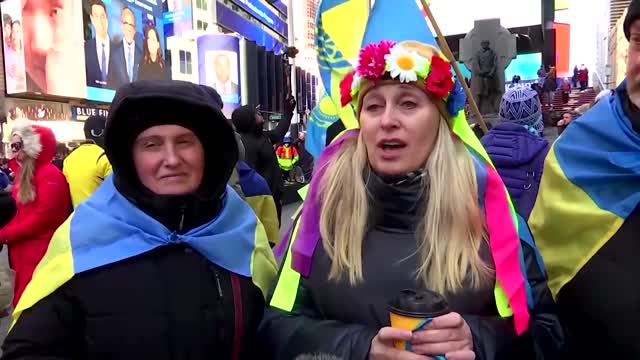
column 400, row 61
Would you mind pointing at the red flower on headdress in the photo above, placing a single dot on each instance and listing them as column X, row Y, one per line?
column 439, row 82
column 345, row 88
column 371, row 63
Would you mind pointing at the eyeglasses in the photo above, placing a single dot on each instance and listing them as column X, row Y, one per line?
column 16, row 146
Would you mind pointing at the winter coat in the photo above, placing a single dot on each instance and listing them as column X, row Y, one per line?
column 336, row 318
column 167, row 304
column 519, row 157
column 30, row 231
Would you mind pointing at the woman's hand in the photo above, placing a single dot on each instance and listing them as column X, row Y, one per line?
column 382, row 345
column 447, row 335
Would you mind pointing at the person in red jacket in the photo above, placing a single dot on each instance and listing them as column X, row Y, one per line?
column 42, row 198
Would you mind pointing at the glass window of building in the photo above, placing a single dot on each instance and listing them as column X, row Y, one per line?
column 185, row 62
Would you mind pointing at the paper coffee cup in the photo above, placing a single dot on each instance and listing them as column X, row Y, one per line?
column 413, row 309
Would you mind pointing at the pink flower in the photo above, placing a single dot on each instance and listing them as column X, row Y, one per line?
column 384, row 47
column 345, row 88
column 371, row 63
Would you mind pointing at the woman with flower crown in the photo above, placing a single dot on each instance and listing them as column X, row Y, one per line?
column 409, row 201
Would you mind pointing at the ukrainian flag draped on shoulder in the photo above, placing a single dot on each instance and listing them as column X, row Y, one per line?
column 107, row 228
column 590, row 185
column 399, row 21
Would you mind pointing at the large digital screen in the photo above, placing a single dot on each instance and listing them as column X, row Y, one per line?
column 124, row 42
column 524, row 65
column 218, row 63
column 81, row 48
column 43, row 47
column 563, row 44
column 265, row 14
column 232, row 21
column 177, row 17
column 457, row 16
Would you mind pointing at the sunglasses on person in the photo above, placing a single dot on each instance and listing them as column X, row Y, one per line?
column 16, row 146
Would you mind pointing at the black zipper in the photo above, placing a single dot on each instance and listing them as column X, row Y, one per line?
column 181, row 225
column 220, row 294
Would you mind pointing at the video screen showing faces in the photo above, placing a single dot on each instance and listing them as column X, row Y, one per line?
column 81, row 48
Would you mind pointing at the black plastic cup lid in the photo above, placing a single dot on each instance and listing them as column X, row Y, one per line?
column 419, row 304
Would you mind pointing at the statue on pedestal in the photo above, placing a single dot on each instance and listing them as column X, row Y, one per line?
column 486, row 51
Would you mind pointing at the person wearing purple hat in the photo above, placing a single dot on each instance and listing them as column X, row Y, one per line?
column 517, row 148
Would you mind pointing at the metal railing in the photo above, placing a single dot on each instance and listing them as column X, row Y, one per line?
column 600, row 83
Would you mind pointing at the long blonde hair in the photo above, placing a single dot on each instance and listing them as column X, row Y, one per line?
column 451, row 231
column 26, row 188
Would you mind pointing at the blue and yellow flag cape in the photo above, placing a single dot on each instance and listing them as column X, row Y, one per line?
column 590, row 185
column 258, row 195
column 107, row 228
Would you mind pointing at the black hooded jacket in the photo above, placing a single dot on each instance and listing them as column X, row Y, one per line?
column 170, row 302
column 258, row 144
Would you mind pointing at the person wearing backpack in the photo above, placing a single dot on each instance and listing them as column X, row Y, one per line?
column 517, row 147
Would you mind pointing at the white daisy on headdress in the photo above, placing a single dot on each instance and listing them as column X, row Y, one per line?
column 355, row 85
column 404, row 64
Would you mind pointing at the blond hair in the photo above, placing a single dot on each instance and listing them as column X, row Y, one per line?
column 26, row 190
column 451, row 230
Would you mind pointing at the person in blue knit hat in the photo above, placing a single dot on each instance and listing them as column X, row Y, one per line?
column 517, row 148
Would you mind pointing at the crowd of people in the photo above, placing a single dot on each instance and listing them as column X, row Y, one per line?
column 159, row 237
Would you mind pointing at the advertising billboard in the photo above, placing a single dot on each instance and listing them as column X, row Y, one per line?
column 265, row 14
column 563, row 44
column 177, row 17
column 511, row 13
column 218, row 65
column 81, row 48
column 42, row 47
column 234, row 22
column 124, row 42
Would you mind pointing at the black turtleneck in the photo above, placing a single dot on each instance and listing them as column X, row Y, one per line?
column 395, row 203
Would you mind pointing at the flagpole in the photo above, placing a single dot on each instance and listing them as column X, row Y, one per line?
column 449, row 54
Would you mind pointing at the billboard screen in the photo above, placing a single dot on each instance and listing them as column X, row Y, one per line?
column 113, row 41
column 563, row 44
column 124, row 42
column 41, row 49
column 261, row 11
column 218, row 62
column 511, row 13
column 177, row 17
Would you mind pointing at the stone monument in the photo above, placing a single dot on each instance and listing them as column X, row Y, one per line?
column 486, row 51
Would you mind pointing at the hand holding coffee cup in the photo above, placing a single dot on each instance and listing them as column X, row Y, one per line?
column 447, row 334
column 416, row 311
column 382, row 345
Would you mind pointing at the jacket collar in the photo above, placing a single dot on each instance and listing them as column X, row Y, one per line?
column 395, row 204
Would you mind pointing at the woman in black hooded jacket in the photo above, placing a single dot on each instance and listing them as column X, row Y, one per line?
column 258, row 144
column 167, row 261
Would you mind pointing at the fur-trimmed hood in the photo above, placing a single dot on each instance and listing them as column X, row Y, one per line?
column 39, row 141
